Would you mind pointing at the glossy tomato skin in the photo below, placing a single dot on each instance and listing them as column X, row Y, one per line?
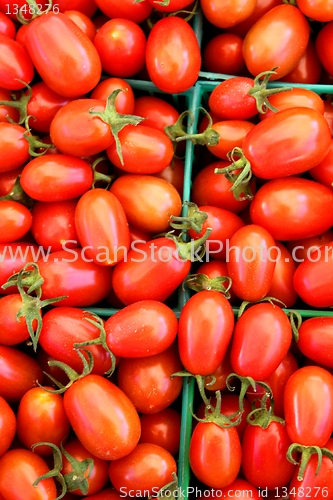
column 15, row 64
column 148, row 468
column 7, row 27
column 148, row 201
column 102, row 417
column 124, row 102
column 261, row 52
column 41, row 417
column 137, row 279
column 73, row 56
column 157, row 112
column 173, row 41
column 12, row 331
column 15, row 221
column 147, row 380
column 262, row 450
column 315, row 340
column 8, row 426
column 125, row 9
column 209, row 312
column 162, row 428
column 14, row 148
column 323, row 172
column 83, row 22
column 65, row 326
column 282, row 286
column 19, row 373
column 5, row 95
column 308, row 69
column 297, row 97
column 215, row 454
column 287, row 143
column 324, row 46
column 19, row 469
column 308, row 400
column 144, row 328
column 232, row 134
column 292, row 208
column 251, row 262
column 224, row 54
column 102, row 227
column 13, row 257
column 230, row 99
column 56, row 178
column 227, row 14
column 262, row 332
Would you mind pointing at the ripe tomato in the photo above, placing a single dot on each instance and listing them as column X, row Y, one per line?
column 15, row 64
column 233, row 11
column 162, row 428
column 261, row 50
column 251, row 262
column 83, row 22
column 102, row 417
column 216, row 269
column 230, row 99
column 12, row 331
column 282, row 287
column 308, row 399
column 15, row 221
column 292, row 208
column 124, row 102
column 223, row 54
column 262, row 6
column 19, row 469
column 147, row 380
column 125, row 9
column 301, row 249
column 232, row 134
column 7, row 27
column 148, row 468
column 56, row 178
column 173, row 41
column 13, row 257
column 321, row 10
column 5, row 110
column 88, row 7
column 144, row 328
column 157, row 112
column 297, row 97
column 73, row 57
column 14, row 148
column 7, row 426
column 315, row 339
column 308, row 70
column 323, row 172
column 208, row 312
column 41, row 417
column 238, row 487
column 174, row 174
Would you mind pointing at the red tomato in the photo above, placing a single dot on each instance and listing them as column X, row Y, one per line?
column 141, row 329
column 15, row 221
column 324, row 46
column 157, row 112
column 262, row 6
column 233, row 11
column 230, row 99
column 261, row 50
column 88, row 7
column 216, row 269
column 323, row 172
column 5, row 95
column 208, row 312
column 282, row 287
column 237, row 488
column 328, row 113
column 7, row 426
column 124, row 102
column 232, row 134
column 147, row 201
column 18, row 373
column 15, row 65
column 223, row 54
column 292, row 208
column 12, row 331
column 121, row 45
column 19, row 469
column 301, row 249
column 173, row 41
column 102, row 417
column 41, row 417
column 147, row 380
column 125, row 9
column 251, row 262
column 7, row 27
column 321, row 10
column 13, row 257
column 83, row 22
column 297, row 97
column 308, row 70
column 174, row 174
column 102, row 227
column 171, row 5
column 315, row 340
column 215, row 454
column 14, row 148
column 148, row 468
column 262, row 331
column 73, row 57
column 56, row 178
column 163, row 429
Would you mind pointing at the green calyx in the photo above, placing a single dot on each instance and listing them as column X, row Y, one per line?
column 17, row 194
column 20, row 104
column 245, row 304
column 34, row 142
column 99, row 177
column 295, row 321
column 34, row 10
column 115, row 120
column 177, row 132
column 306, row 453
column 31, row 307
column 192, row 250
column 261, row 93
column 246, row 383
column 194, row 220
column 214, row 415
column 264, row 415
column 77, row 479
column 239, row 173
column 199, row 282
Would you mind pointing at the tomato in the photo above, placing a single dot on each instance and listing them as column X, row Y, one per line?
column 148, row 468
column 15, row 221
column 323, row 46
column 12, row 331
column 7, row 426
column 251, row 262
column 41, row 417
column 262, row 6
column 65, row 326
column 217, row 269
column 83, row 22
column 284, row 23
column 262, row 450
column 315, row 337
column 209, row 188
column 141, row 329
column 282, row 287
column 148, row 201
column 15, row 65
column 215, row 454
column 233, row 11
column 99, row 472
column 147, row 380
column 13, row 257
column 162, row 428
column 124, row 102
column 328, row 113
column 171, row 5
column 232, row 134
column 18, row 373
column 102, row 417
column 7, row 27
column 14, row 148
column 262, row 332
column 323, row 172
column 308, row 70
column 173, row 41
column 157, row 112
column 138, row 277
column 238, row 487
column 301, row 249
column 230, row 99
column 208, row 312
column 125, row 9
column 73, row 57
column 145, row 150
column 292, row 208
column 297, row 97
column 88, row 7
column 321, row 10
column 121, row 45
column 106, row 494
column 174, row 174
column 19, row 469
column 102, row 227
column 5, row 110
column 223, row 54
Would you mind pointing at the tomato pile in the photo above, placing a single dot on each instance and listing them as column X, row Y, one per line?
column 156, row 232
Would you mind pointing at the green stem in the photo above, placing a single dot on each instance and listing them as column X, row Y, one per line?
column 34, row 142
column 306, row 453
column 56, row 471
column 194, row 220
column 34, row 9
column 177, row 133
column 295, row 317
column 247, row 382
column 98, row 176
column 193, row 250
column 241, row 179
column 246, row 304
column 20, row 104
column 199, row 282
column 261, row 93
column 17, row 194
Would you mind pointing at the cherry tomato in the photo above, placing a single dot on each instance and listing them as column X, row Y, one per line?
column 15, row 221
column 262, row 6
column 157, row 112
column 7, row 426
column 13, row 257
column 230, row 99
column 73, row 57
column 162, row 428
column 125, row 9
column 282, row 287
column 7, row 27
column 308, row 70
column 232, row 134
column 233, row 12
column 124, row 102
column 16, row 68
column 297, row 97
column 83, row 22
column 318, row 11
column 223, row 54
column 12, row 330
column 5, row 95
column 14, row 148
column 315, row 337
column 102, row 417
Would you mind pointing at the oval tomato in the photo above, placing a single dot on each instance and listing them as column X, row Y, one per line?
column 324, row 46
column 224, row 54
column 316, row 338
column 13, row 257
column 282, row 286
column 173, row 41
column 232, row 13
column 12, row 330
column 321, row 10
column 125, row 9
column 14, row 148
column 7, row 426
column 295, row 98
column 83, row 22
column 162, row 428
column 15, row 64
column 15, row 221
column 308, row 69
column 124, row 102
column 157, row 112
column 232, row 134
column 323, row 172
